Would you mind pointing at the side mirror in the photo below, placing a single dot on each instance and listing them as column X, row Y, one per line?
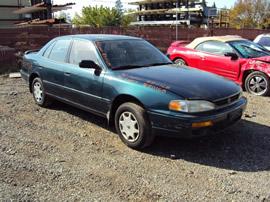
column 89, row 64
column 234, row 56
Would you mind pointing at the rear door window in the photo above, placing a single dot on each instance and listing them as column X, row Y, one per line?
column 59, row 50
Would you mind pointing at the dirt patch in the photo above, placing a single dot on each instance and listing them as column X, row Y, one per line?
column 63, row 153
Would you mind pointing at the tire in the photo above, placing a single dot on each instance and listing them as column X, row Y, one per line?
column 180, row 61
column 133, row 125
column 257, row 83
column 39, row 93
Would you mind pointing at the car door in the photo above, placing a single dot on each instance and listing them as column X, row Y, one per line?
column 213, row 59
column 83, row 86
column 51, row 66
column 192, row 57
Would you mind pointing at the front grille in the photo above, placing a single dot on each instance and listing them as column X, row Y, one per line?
column 228, row 100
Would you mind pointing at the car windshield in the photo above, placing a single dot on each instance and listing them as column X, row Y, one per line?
column 249, row 49
column 126, row 54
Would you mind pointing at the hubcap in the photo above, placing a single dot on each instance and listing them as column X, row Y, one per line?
column 180, row 62
column 38, row 93
column 129, row 126
column 257, row 85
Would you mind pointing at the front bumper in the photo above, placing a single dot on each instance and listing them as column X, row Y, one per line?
column 180, row 125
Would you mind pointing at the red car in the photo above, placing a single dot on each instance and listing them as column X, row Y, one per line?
column 232, row 57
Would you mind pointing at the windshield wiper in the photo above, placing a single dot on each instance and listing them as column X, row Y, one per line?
column 157, row 64
column 138, row 66
column 126, row 67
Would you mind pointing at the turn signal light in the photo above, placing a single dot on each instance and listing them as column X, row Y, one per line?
column 175, row 105
column 202, row 124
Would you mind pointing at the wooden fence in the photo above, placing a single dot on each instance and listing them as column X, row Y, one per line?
column 22, row 39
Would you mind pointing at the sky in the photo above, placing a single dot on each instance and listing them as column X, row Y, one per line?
column 110, row 3
column 80, row 3
column 221, row 3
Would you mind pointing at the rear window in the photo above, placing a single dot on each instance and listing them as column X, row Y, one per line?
column 48, row 51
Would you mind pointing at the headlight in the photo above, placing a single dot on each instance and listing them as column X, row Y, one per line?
column 191, row 105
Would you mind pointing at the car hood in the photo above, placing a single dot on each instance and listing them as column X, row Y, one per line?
column 187, row 82
column 264, row 59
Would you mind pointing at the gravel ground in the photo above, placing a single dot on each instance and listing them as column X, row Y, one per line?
column 63, row 153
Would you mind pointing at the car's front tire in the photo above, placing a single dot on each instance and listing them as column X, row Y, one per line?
column 133, row 125
column 257, row 83
column 39, row 95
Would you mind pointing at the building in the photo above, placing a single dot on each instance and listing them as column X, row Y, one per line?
column 176, row 12
column 7, row 17
column 41, row 12
column 20, row 13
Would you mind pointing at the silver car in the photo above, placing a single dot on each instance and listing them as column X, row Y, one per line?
column 263, row 40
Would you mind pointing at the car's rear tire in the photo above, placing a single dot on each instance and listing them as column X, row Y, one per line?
column 133, row 125
column 180, row 61
column 39, row 94
column 257, row 83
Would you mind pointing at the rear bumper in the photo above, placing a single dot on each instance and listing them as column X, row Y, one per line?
column 25, row 76
column 181, row 125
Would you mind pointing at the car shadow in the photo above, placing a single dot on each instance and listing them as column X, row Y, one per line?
column 82, row 114
column 243, row 147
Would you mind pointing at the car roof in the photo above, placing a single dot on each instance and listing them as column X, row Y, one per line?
column 199, row 40
column 266, row 34
column 98, row 37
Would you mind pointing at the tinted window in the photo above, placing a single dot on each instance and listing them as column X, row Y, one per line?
column 59, row 51
column 48, row 51
column 214, row 47
column 264, row 41
column 82, row 50
column 130, row 54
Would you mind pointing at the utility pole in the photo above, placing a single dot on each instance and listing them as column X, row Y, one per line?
column 49, row 11
column 176, row 27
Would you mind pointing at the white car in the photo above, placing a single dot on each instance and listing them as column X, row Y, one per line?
column 263, row 40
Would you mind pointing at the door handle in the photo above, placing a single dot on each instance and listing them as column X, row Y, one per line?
column 202, row 57
column 67, row 73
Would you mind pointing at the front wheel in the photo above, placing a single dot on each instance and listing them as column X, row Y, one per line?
column 39, row 93
column 257, row 83
column 133, row 125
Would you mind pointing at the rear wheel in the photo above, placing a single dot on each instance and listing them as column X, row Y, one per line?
column 39, row 93
column 133, row 125
column 257, row 83
column 180, row 61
